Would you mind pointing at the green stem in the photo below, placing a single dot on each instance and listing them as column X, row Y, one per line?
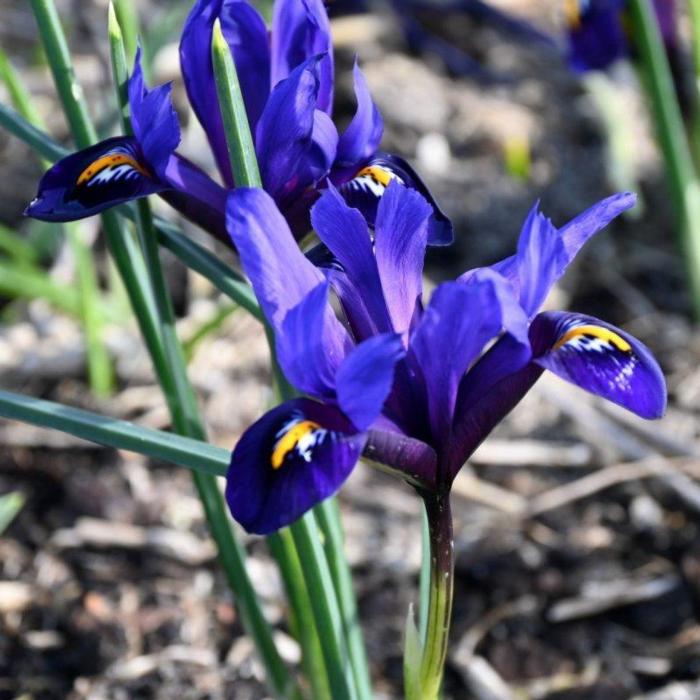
column 328, row 516
column 441, row 592
column 284, row 551
column 681, row 176
column 424, row 582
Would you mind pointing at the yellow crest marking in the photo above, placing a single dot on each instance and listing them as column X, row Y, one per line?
column 381, row 175
column 572, row 13
column 596, row 331
column 109, row 161
column 290, row 440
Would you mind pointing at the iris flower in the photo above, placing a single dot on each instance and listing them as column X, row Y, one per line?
column 596, row 31
column 410, row 384
column 286, row 78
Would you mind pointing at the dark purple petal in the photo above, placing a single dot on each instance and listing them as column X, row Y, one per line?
column 312, row 344
column 319, row 156
column 300, row 30
column 364, row 379
column 246, row 35
column 596, row 34
column 278, row 270
column 90, row 181
column 400, row 241
column 458, row 322
column 345, row 232
column 413, row 459
column 360, row 141
column 153, row 119
column 601, row 359
column 196, row 196
column 365, row 190
column 294, row 457
column 285, row 132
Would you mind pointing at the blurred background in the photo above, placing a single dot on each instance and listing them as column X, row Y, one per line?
column 578, row 558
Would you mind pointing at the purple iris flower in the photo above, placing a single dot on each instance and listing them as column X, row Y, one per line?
column 286, row 78
column 596, row 31
column 413, row 387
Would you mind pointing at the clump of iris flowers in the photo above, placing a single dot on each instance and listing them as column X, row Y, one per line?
column 287, row 81
column 412, row 384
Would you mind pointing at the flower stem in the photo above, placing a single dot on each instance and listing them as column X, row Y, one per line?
column 441, row 590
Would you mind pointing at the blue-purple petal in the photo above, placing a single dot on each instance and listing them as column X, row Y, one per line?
column 344, row 231
column 596, row 34
column 300, row 30
column 600, row 358
column 246, row 34
column 311, row 345
column 458, row 322
column 280, row 274
column 285, row 132
column 401, row 235
column 365, row 378
column 94, row 179
column 292, row 458
column 153, row 119
column 360, row 141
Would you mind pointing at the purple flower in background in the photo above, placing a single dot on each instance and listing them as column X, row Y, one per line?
column 410, row 386
column 286, row 78
column 597, row 34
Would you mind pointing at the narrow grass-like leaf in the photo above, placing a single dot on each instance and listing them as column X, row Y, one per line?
column 128, row 20
column 328, row 516
column 112, row 432
column 412, row 653
column 35, row 138
column 682, row 178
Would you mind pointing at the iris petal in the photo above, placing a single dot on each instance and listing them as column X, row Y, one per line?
column 246, row 35
column 312, row 343
column 360, row 141
column 300, row 30
column 153, row 119
column 295, row 456
column 284, row 139
column 366, row 189
column 364, row 379
column 94, row 179
column 601, row 359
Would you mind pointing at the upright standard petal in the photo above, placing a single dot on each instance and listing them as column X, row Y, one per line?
column 312, row 344
column 544, row 253
column 294, row 457
column 90, row 181
column 364, row 379
column 284, row 138
column 401, row 235
column 278, row 270
column 300, row 30
column 345, row 232
column 455, row 327
column 246, row 35
column 601, row 359
column 153, row 119
column 366, row 188
column 360, row 141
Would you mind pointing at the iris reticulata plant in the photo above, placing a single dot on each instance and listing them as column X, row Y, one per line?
column 409, row 381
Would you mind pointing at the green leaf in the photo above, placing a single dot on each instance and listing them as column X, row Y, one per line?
column 412, row 654
column 116, row 433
